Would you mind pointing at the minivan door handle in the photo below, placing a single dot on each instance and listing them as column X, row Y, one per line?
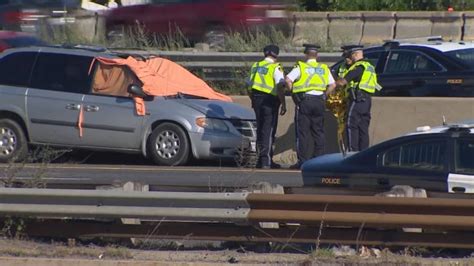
column 73, row 106
column 91, row 108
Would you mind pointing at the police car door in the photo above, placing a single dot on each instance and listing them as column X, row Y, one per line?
column 461, row 176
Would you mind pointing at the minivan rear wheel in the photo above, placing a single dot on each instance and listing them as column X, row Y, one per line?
column 13, row 144
column 168, row 145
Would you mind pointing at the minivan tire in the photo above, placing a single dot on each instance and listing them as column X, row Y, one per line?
column 13, row 143
column 168, row 145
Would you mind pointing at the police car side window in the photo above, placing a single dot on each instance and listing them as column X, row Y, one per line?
column 408, row 62
column 373, row 58
column 422, row 156
column 464, row 162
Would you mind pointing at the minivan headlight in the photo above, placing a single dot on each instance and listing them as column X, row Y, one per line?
column 212, row 123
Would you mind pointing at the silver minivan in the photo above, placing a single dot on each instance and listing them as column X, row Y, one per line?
column 46, row 99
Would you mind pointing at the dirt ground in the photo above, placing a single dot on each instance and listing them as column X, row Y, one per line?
column 71, row 253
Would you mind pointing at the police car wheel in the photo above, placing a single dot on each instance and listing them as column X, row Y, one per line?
column 13, row 143
column 168, row 145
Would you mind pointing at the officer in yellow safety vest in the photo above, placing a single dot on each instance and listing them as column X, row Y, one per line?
column 309, row 83
column 266, row 90
column 344, row 68
column 361, row 82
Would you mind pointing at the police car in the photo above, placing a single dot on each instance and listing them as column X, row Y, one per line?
column 423, row 67
column 439, row 160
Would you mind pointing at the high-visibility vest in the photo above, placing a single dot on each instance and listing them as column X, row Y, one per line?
column 368, row 81
column 261, row 77
column 342, row 70
column 314, row 76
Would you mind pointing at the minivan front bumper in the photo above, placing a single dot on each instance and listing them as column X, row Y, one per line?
column 219, row 146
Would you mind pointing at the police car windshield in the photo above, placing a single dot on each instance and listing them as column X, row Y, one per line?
column 465, row 56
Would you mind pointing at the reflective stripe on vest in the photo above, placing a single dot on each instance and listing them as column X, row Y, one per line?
column 368, row 81
column 261, row 77
column 313, row 76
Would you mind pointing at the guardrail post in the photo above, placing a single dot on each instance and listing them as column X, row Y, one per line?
column 134, row 186
column 267, row 188
column 406, row 192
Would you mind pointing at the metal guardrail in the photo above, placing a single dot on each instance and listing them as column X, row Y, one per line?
column 120, row 204
column 239, row 207
column 236, row 216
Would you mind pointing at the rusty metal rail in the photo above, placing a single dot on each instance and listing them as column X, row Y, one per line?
column 230, row 232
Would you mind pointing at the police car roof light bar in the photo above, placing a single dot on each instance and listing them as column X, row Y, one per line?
column 436, row 38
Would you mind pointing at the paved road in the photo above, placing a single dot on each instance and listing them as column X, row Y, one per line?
column 203, row 178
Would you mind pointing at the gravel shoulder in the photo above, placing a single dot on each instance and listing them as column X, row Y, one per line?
column 36, row 253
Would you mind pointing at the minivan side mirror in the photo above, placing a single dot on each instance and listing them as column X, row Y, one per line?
column 136, row 90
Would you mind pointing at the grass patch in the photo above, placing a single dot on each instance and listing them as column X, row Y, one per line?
column 323, row 253
column 19, row 252
column 67, row 252
column 254, row 40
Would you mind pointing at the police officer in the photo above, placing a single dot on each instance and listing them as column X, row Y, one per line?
column 344, row 67
column 309, row 82
column 266, row 91
column 361, row 82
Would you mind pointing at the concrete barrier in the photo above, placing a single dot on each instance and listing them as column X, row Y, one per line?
column 344, row 28
column 413, row 24
column 91, row 26
column 378, row 26
column 468, row 26
column 391, row 117
column 375, row 27
column 447, row 24
column 310, row 27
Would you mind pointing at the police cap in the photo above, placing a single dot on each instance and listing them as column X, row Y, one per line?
column 311, row 47
column 271, row 50
column 347, row 50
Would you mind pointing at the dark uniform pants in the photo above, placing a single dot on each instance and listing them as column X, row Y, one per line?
column 357, row 127
column 309, row 124
column 266, row 108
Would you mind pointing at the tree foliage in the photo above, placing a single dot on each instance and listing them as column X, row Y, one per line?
column 390, row 5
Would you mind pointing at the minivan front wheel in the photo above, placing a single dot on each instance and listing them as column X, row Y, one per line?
column 13, row 144
column 168, row 145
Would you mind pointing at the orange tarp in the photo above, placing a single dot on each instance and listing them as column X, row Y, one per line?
column 162, row 77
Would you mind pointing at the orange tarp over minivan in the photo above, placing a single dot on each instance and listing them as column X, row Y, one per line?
column 162, row 77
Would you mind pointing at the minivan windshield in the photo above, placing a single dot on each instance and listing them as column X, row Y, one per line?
column 465, row 56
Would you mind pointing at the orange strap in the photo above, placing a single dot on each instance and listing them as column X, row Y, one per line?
column 140, row 106
column 90, row 67
column 80, row 120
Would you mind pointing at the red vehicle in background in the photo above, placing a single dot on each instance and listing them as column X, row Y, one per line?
column 12, row 39
column 195, row 19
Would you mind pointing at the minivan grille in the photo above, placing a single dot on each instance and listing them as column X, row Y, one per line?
column 247, row 128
